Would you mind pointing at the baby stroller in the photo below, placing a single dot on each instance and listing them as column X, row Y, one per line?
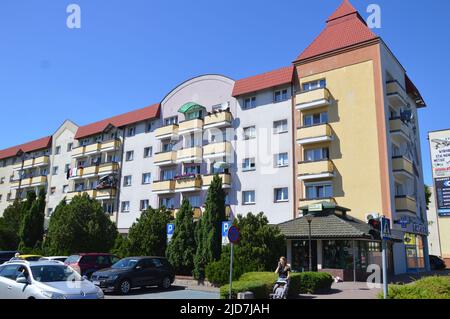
column 280, row 289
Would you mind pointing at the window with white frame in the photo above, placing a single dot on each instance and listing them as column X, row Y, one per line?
column 145, row 204
column 129, row 156
column 281, row 195
column 248, row 197
column 131, row 131
column 281, row 160
column 248, row 164
column 249, row 133
column 249, row 103
column 313, row 85
column 171, row 120
column 167, row 147
column 146, row 178
column 167, row 175
column 55, row 170
column 318, row 191
column 125, row 207
column 168, row 202
column 58, row 150
column 315, row 119
column 280, row 127
column 127, row 181
column 280, row 95
column 317, row 154
column 69, row 147
column 150, row 127
column 192, row 169
column 148, row 152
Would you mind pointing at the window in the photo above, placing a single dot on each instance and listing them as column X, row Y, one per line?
column 150, row 127
column 52, row 190
column 194, row 115
column 125, row 207
column 127, row 181
column 2, row 180
column 248, row 197
column 280, row 127
column 192, row 169
column 395, row 150
column 167, row 147
column 171, row 120
column 399, row 189
column 131, row 132
column 98, row 138
column 314, row 85
column 281, row 160
column 319, row 191
column 1, row 197
column 55, row 170
column 281, row 195
column 79, row 187
column 280, row 96
column 146, row 178
column 195, row 201
column 58, row 150
column 49, row 212
column 145, row 204
column 129, row 156
column 315, row 119
column 65, row 189
column 167, row 202
column 66, row 168
column 8, row 196
column 167, row 175
column 69, row 147
column 249, row 103
column 317, row 154
column 248, row 164
column 249, row 133
column 148, row 152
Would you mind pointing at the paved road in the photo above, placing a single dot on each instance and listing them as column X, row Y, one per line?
column 347, row 290
column 173, row 293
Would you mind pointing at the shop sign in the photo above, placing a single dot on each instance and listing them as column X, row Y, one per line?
column 409, row 239
column 420, row 229
column 315, row 208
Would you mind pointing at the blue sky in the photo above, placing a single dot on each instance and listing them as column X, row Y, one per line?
column 129, row 54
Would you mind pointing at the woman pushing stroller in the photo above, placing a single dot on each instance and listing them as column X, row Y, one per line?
column 280, row 290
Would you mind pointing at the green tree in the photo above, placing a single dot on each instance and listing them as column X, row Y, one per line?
column 147, row 237
column 80, row 226
column 209, row 231
column 428, row 196
column 259, row 249
column 121, row 246
column 32, row 226
column 182, row 247
column 10, row 226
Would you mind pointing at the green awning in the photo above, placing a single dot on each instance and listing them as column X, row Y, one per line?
column 190, row 107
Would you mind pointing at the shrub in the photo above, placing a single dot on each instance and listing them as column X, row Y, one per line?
column 307, row 282
column 259, row 289
column 426, row 288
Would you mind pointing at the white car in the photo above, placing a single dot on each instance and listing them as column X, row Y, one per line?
column 55, row 258
column 44, row 280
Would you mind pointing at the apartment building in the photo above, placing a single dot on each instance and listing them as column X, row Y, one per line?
column 334, row 135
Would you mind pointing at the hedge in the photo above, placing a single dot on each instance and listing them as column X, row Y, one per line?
column 307, row 282
column 427, row 288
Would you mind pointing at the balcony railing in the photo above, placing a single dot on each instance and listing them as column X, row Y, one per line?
column 314, row 134
column 188, row 184
column 190, row 154
column 218, row 120
column 96, row 148
column 397, row 127
column 190, row 126
column 402, row 165
column 163, row 187
column 226, row 180
column 315, row 170
column 71, row 195
column 94, row 170
column 313, row 99
column 396, row 94
column 107, row 193
column 108, row 168
column 34, row 162
column 165, row 158
column 217, row 150
column 169, row 131
column 405, row 203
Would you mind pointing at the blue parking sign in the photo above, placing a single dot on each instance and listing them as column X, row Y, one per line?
column 225, row 228
column 170, row 229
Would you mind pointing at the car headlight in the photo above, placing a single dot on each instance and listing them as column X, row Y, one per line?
column 100, row 294
column 114, row 277
column 53, row 295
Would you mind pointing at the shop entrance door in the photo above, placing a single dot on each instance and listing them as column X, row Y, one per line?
column 300, row 255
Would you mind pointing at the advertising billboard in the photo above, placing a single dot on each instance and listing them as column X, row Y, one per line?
column 440, row 161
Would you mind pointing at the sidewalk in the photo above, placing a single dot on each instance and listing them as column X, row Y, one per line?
column 347, row 290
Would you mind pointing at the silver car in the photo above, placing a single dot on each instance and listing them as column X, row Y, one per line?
column 44, row 280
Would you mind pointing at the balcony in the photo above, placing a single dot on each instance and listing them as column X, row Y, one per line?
column 111, row 146
column 218, row 120
column 165, row 158
column 314, row 134
column 405, row 203
column 313, row 99
column 188, row 184
column 396, row 94
column 398, row 128
column 163, row 187
column 71, row 195
column 315, row 170
column 191, row 126
column 169, row 131
column 217, row 150
column 29, row 182
column 86, row 150
column 107, row 193
column 34, row 162
column 226, row 180
column 402, row 166
column 193, row 154
column 108, row 168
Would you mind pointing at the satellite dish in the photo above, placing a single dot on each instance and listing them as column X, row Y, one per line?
column 406, row 116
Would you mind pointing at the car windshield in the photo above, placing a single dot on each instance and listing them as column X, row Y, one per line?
column 125, row 263
column 73, row 259
column 54, row 273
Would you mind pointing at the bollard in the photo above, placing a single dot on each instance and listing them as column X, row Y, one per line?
column 246, row 295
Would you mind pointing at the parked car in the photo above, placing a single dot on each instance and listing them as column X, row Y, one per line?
column 134, row 272
column 6, row 256
column 20, row 279
column 87, row 264
column 30, row 257
column 437, row 263
column 56, row 258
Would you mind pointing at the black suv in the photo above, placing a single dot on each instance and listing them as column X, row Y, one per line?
column 6, row 256
column 134, row 272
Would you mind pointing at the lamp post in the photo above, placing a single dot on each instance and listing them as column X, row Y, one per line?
column 309, row 219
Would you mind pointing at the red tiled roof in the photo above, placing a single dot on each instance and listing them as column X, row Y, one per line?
column 32, row 146
column 263, row 81
column 147, row 113
column 344, row 28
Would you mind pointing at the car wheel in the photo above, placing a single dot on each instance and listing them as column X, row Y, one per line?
column 166, row 283
column 125, row 287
